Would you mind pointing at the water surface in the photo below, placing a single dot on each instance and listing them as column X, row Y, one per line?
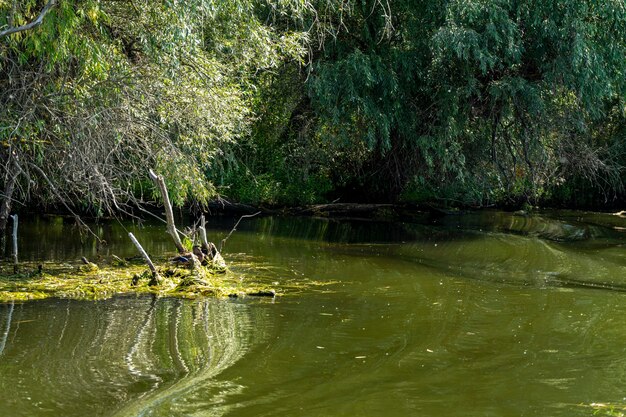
column 486, row 314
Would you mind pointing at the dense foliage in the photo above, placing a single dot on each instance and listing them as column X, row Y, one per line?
column 477, row 101
column 104, row 90
column 294, row 101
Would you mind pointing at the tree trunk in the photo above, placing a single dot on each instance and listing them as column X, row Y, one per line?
column 169, row 214
column 5, row 205
column 203, row 237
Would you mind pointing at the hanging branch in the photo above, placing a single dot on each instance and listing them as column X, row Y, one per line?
column 38, row 21
column 156, row 278
column 159, row 218
column 169, row 214
column 63, row 201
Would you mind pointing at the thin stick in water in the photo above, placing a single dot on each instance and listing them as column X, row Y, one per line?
column 203, row 238
column 235, row 228
column 155, row 274
column 15, row 264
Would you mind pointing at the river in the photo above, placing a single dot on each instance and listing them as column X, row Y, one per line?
column 480, row 314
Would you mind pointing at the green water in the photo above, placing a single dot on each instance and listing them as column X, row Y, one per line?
column 486, row 314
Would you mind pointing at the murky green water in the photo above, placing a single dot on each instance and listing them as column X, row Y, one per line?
column 486, row 314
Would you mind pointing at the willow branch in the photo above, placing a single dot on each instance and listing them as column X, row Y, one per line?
column 63, row 201
column 38, row 21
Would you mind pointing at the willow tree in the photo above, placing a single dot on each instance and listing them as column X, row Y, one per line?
column 99, row 91
column 479, row 100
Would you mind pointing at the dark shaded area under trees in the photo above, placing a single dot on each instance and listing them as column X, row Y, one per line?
column 456, row 103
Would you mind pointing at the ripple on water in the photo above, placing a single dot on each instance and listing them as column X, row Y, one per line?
column 124, row 357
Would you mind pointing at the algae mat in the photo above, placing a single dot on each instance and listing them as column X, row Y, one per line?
column 79, row 281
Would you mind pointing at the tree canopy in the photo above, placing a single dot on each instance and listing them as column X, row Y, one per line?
column 489, row 99
column 297, row 101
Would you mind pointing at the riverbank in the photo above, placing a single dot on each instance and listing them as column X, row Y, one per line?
column 343, row 210
column 379, row 211
column 390, row 211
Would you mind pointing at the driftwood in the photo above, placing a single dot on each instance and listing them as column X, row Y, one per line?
column 199, row 255
column 156, row 278
column 171, row 225
column 208, row 248
column 203, row 238
column 15, row 263
column 224, row 206
column 343, row 209
column 169, row 214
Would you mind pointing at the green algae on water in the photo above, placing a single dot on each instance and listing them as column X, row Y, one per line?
column 74, row 280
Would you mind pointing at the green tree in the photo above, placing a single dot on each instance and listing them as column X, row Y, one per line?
column 101, row 91
column 474, row 100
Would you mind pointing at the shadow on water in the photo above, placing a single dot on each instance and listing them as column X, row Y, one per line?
column 59, row 239
column 498, row 247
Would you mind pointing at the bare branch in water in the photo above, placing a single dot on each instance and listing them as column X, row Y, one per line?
column 235, row 228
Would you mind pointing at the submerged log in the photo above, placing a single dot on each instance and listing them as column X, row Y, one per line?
column 156, row 278
column 346, row 209
column 266, row 293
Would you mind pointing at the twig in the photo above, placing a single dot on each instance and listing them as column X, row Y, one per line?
column 12, row 200
column 235, row 228
column 62, row 200
column 138, row 204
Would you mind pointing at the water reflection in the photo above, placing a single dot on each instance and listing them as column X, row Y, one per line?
column 123, row 357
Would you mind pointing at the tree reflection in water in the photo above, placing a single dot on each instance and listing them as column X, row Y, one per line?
column 123, row 357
